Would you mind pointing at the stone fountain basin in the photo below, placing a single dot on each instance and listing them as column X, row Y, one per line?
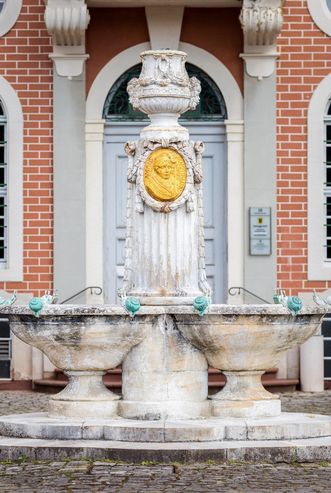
column 79, row 337
column 84, row 341
column 243, row 342
column 247, row 337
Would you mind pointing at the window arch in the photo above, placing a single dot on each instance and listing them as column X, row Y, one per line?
column 9, row 12
column 319, row 183
column 11, row 188
column 211, row 106
column 320, row 10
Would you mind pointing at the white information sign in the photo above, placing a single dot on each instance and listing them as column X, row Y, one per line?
column 260, row 230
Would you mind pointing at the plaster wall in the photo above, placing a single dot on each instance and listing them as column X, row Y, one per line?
column 114, row 30
column 69, row 185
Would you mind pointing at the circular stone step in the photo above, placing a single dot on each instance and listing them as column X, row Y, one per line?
column 287, row 426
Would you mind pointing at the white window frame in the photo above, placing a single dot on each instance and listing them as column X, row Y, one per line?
column 321, row 15
column 13, row 269
column 319, row 268
column 3, row 188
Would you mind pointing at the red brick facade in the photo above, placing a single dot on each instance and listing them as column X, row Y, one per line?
column 305, row 60
column 25, row 64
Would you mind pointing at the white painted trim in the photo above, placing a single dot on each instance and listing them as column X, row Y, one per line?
column 107, row 76
column 235, row 207
column 9, row 15
column 94, row 156
column 13, row 271
column 318, row 268
column 321, row 15
column 94, row 207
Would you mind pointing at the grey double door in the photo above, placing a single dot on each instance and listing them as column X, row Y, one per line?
column 214, row 187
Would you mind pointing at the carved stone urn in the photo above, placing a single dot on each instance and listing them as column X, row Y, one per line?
column 164, row 91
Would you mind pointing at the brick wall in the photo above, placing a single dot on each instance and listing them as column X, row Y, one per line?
column 305, row 60
column 25, row 64
column 303, row 63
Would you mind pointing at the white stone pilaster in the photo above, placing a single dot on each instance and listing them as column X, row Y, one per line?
column 94, row 207
column 235, row 141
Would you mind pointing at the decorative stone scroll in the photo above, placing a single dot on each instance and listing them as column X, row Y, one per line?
column 261, row 22
column 164, row 250
column 67, row 21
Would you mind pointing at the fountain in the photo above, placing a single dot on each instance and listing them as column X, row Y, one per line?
column 166, row 332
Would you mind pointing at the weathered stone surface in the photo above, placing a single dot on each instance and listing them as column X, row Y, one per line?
column 288, row 426
column 243, row 344
column 164, row 376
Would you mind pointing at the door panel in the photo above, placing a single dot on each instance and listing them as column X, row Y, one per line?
column 214, row 186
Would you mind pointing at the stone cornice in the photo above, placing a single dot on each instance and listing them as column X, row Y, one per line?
column 261, row 21
column 66, row 22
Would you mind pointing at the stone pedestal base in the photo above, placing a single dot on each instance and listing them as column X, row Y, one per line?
column 85, row 396
column 244, row 397
column 164, row 376
column 163, row 410
column 245, row 409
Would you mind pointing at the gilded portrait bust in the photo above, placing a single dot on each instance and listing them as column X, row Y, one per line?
column 165, row 175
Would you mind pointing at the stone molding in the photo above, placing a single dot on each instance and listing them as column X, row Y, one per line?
column 66, row 22
column 261, row 21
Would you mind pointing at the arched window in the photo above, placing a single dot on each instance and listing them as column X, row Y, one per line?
column 11, row 186
column 9, row 12
column 3, row 184
column 327, row 184
column 320, row 10
column 319, row 183
column 211, row 105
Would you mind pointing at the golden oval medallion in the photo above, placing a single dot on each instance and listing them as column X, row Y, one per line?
column 165, row 175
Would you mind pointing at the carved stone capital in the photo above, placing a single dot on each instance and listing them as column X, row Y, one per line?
column 66, row 22
column 261, row 21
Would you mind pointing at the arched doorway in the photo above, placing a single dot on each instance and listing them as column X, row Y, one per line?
column 205, row 123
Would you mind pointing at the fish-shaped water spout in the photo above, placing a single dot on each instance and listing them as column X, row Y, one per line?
column 201, row 304
column 132, row 305
column 36, row 305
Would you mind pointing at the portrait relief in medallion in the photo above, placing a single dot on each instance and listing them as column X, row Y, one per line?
column 165, row 174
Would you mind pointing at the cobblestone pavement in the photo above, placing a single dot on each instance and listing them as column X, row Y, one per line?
column 104, row 476
column 101, row 477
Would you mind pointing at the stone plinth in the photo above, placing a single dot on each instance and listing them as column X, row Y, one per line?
column 288, row 426
column 164, row 248
column 164, row 377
